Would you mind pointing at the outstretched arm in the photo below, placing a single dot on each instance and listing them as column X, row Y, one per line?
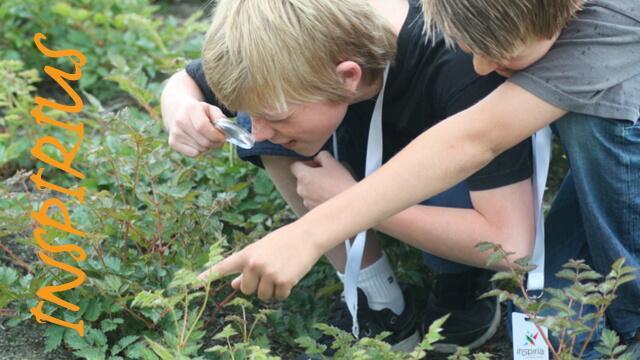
column 503, row 214
column 438, row 159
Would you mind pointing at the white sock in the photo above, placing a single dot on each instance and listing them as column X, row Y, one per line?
column 380, row 285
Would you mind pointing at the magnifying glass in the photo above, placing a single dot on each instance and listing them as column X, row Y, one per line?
column 234, row 134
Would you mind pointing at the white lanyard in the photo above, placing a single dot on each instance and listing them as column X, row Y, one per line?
column 355, row 251
column 541, row 156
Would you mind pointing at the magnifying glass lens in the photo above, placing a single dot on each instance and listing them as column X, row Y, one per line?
column 235, row 134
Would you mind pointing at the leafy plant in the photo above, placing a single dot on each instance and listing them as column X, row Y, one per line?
column 588, row 288
column 108, row 32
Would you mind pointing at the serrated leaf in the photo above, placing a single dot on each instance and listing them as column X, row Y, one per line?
column 227, row 332
column 90, row 353
column 625, row 279
column 146, row 299
column 485, row 246
column 123, row 343
column 494, row 258
column 110, row 324
column 113, row 284
column 566, row 274
column 8, row 276
column 184, row 278
column 590, row 275
column 53, row 336
column 240, row 302
column 73, row 340
column 93, row 310
column 160, row 350
column 502, row 275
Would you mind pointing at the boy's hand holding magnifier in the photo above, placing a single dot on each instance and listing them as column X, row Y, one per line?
column 199, row 127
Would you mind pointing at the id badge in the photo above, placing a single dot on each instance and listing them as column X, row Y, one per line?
column 528, row 343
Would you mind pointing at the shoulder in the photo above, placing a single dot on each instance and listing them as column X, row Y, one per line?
column 457, row 85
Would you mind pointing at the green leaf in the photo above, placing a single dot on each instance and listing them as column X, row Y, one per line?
column 113, row 284
column 502, row 275
column 140, row 351
column 110, row 324
column 590, row 275
column 8, row 276
column 485, row 246
column 184, row 278
column 94, row 309
column 53, row 336
column 523, row 261
column 160, row 350
column 566, row 274
column 227, row 332
column 494, row 258
column 74, row 340
column 123, row 343
column 310, row 345
column 90, row 353
column 146, row 299
column 262, row 184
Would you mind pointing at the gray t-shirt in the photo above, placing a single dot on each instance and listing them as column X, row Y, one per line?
column 594, row 67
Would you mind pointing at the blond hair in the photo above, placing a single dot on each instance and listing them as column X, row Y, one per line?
column 265, row 54
column 497, row 28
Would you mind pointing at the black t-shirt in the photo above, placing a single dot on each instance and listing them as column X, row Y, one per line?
column 426, row 84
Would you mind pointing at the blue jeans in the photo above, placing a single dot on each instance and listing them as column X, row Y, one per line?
column 596, row 213
column 352, row 142
column 604, row 156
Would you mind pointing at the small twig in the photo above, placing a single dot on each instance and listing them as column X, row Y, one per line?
column 148, row 323
column 204, row 305
column 120, row 185
column 564, row 332
column 16, row 259
column 8, row 313
column 526, row 296
column 222, row 304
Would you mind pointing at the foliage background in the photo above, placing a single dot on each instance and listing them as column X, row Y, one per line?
column 153, row 216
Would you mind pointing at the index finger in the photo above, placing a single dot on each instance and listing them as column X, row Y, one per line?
column 203, row 118
column 231, row 265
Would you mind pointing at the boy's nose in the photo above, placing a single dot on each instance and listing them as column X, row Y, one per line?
column 483, row 66
column 260, row 129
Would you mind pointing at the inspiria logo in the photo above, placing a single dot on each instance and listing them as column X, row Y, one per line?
column 528, row 340
column 529, row 348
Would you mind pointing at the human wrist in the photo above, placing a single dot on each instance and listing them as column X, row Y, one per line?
column 320, row 238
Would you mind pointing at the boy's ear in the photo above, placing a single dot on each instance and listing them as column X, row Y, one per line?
column 350, row 73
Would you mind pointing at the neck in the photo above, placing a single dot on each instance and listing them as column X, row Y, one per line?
column 367, row 92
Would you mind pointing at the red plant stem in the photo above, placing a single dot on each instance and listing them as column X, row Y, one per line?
column 16, row 259
column 222, row 304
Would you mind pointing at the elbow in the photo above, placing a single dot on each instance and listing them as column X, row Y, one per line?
column 517, row 245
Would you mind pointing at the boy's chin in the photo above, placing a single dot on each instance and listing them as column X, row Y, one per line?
column 306, row 151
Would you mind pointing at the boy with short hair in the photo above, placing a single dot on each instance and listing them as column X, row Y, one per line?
column 303, row 69
column 586, row 76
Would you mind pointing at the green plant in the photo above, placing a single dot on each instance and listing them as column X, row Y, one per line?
column 587, row 288
column 346, row 346
column 16, row 101
column 149, row 213
column 129, row 51
column 108, row 32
